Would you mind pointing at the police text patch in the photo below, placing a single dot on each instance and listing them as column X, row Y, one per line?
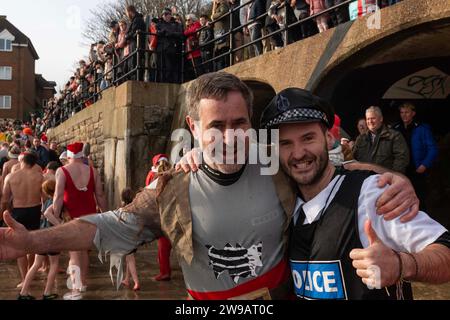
column 318, row 279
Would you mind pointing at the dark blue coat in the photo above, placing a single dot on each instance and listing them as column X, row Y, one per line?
column 424, row 150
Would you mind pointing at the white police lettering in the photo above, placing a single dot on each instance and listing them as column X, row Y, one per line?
column 310, row 279
column 328, row 280
column 316, row 283
column 318, row 280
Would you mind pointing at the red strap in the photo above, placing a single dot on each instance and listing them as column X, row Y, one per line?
column 270, row 280
column 68, row 176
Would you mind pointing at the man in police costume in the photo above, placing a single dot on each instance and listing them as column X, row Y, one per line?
column 337, row 239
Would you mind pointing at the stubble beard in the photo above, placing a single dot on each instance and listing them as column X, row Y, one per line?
column 306, row 180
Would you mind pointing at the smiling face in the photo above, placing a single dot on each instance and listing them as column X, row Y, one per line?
column 224, row 117
column 374, row 121
column 304, row 151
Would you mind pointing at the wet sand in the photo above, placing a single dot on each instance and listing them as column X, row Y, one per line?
column 100, row 286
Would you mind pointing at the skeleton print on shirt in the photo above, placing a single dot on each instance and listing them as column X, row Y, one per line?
column 240, row 262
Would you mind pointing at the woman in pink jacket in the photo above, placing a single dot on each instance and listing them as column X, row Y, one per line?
column 317, row 6
column 122, row 47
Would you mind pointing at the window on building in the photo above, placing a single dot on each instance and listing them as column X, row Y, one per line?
column 5, row 73
column 5, row 45
column 5, row 102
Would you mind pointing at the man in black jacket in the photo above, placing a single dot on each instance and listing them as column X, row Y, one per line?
column 257, row 9
column 206, row 35
column 137, row 25
column 340, row 15
column 301, row 11
column 170, row 36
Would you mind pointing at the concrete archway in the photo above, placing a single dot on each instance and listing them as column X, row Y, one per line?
column 362, row 79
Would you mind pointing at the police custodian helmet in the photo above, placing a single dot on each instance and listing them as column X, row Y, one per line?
column 297, row 105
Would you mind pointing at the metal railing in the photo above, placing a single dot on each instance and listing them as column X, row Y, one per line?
column 144, row 64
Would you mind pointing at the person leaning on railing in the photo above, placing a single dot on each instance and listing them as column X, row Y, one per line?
column 256, row 10
column 275, row 20
column 317, row 6
column 170, row 35
column 122, row 48
column 238, row 35
column 135, row 41
column 221, row 27
column 206, row 35
column 193, row 66
column 301, row 11
column 340, row 14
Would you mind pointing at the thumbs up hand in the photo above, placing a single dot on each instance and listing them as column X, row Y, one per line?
column 13, row 240
column 377, row 265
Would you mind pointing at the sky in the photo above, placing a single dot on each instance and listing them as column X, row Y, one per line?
column 55, row 29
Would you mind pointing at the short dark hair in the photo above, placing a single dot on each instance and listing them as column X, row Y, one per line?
column 101, row 42
column 216, row 85
column 204, row 16
column 127, row 195
column 113, row 23
column 131, row 9
column 29, row 158
column 53, row 165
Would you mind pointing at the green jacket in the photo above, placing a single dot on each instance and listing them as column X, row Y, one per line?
column 389, row 149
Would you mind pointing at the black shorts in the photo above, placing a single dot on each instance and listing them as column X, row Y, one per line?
column 29, row 217
column 49, row 254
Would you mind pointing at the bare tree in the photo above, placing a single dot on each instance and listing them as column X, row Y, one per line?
column 97, row 25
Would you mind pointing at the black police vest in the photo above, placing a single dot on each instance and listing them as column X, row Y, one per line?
column 319, row 252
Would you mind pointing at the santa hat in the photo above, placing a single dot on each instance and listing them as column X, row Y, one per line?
column 153, row 173
column 75, row 150
column 28, row 131
column 336, row 130
column 44, row 138
column 158, row 158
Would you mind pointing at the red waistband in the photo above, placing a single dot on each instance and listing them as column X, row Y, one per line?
column 269, row 280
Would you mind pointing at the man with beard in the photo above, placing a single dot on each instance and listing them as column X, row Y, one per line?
column 228, row 223
column 336, row 235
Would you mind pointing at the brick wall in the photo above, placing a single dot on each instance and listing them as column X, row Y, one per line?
column 22, row 86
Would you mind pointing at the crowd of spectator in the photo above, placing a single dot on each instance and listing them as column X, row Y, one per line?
column 175, row 49
column 17, row 137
